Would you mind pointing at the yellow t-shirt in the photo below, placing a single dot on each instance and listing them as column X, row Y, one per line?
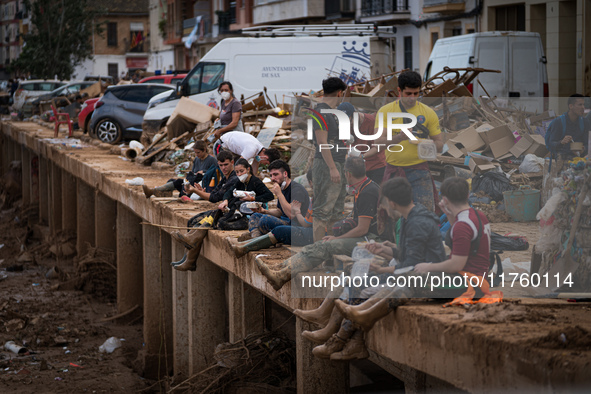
column 409, row 155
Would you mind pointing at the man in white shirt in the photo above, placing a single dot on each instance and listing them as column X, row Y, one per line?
column 247, row 147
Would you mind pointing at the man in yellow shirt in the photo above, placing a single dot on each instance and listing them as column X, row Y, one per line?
column 406, row 162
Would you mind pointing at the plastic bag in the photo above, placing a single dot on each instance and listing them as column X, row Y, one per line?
column 136, row 144
column 531, row 163
column 493, row 184
column 551, row 205
column 110, row 345
column 135, row 181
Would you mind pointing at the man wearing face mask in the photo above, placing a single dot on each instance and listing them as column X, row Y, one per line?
column 286, row 191
column 359, row 228
column 327, row 170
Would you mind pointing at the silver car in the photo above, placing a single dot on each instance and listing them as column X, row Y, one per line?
column 119, row 113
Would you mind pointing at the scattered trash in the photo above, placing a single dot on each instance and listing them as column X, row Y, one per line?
column 53, row 273
column 1, row 246
column 76, row 365
column 562, row 338
column 135, row 181
column 36, row 284
column 110, row 345
column 13, row 347
column 58, row 378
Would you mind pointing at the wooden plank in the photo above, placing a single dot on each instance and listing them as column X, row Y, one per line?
column 180, row 137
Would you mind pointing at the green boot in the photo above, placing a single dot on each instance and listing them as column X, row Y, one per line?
column 150, row 191
column 262, row 242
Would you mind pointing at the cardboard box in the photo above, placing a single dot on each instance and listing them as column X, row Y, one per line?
column 520, row 147
column 496, row 134
column 193, row 111
column 538, row 146
column 502, row 146
column 470, row 139
column 481, row 165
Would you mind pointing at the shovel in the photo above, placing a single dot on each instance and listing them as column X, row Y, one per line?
column 566, row 265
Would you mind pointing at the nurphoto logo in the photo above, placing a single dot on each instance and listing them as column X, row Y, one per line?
column 344, row 125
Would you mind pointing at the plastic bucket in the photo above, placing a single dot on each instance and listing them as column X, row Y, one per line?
column 523, row 204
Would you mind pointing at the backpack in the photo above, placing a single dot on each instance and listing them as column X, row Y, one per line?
column 549, row 135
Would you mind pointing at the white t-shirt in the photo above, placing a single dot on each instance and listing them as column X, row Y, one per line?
column 241, row 143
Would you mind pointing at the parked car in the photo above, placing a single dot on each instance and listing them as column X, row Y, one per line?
column 66, row 90
column 169, row 79
column 33, row 88
column 119, row 113
column 85, row 114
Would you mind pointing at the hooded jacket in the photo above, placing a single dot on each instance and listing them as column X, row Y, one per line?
column 420, row 238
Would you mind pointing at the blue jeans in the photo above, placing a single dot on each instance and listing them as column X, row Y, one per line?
column 266, row 223
column 294, row 235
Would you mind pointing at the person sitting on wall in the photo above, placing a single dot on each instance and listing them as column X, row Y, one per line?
column 297, row 235
column 203, row 162
column 194, row 238
column 470, row 239
column 347, row 233
column 263, row 221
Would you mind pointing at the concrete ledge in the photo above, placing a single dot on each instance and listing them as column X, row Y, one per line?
column 470, row 355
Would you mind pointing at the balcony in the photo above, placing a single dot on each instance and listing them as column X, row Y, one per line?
column 339, row 9
column 384, row 10
column 444, row 6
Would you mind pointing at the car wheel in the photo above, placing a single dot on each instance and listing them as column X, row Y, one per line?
column 108, row 130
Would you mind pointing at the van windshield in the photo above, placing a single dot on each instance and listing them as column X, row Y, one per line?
column 205, row 77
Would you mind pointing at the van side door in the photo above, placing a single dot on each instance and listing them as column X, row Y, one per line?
column 491, row 53
column 528, row 72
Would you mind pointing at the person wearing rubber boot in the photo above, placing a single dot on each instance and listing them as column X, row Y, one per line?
column 263, row 221
column 364, row 219
column 288, row 235
column 203, row 162
column 194, row 238
column 470, row 239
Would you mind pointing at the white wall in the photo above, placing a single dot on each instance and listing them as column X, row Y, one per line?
column 163, row 60
column 99, row 66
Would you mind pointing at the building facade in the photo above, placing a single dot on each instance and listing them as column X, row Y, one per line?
column 124, row 47
column 161, row 55
column 15, row 22
column 565, row 28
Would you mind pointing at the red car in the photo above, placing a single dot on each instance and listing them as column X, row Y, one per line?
column 169, row 79
column 85, row 113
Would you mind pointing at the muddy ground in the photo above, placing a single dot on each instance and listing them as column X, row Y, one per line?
column 60, row 329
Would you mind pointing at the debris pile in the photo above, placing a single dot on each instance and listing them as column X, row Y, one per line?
column 259, row 363
column 565, row 220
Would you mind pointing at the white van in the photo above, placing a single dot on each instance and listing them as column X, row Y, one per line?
column 285, row 60
column 518, row 55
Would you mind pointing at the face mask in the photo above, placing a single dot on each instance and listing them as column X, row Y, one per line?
column 283, row 184
column 257, row 158
column 243, row 177
column 350, row 190
column 225, row 95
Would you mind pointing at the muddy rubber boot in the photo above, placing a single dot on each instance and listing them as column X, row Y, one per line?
column 181, row 261
column 344, row 308
column 150, row 191
column 192, row 238
column 262, row 242
column 190, row 263
column 355, row 349
column 320, row 315
column 332, row 326
column 277, row 279
column 333, row 345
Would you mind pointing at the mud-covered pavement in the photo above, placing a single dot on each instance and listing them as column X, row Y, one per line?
column 60, row 329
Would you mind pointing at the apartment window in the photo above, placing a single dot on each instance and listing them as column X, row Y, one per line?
column 470, row 31
column 112, row 34
column 510, row 17
column 434, row 38
column 456, row 31
column 408, row 52
column 113, row 70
